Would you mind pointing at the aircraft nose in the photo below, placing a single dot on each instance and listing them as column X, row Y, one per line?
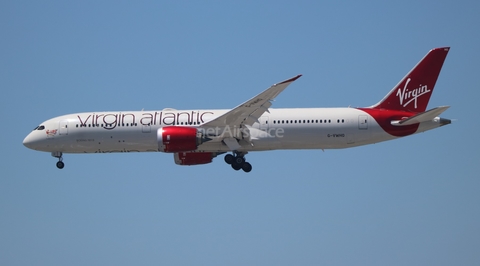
column 31, row 141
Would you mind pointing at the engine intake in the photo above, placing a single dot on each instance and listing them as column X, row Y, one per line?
column 178, row 139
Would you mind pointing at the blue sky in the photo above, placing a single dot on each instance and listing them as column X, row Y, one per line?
column 412, row 201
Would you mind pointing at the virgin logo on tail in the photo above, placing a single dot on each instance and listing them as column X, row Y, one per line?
column 408, row 96
column 413, row 92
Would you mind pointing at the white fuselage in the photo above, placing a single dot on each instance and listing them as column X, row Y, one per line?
column 292, row 128
column 197, row 136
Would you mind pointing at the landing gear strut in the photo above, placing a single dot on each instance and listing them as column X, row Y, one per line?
column 58, row 154
column 237, row 161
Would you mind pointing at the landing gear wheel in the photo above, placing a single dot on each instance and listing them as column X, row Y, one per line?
column 59, row 155
column 239, row 160
column 60, row 165
column 236, row 166
column 229, row 158
column 247, row 167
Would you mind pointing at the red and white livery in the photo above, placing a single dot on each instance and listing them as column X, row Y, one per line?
column 198, row 136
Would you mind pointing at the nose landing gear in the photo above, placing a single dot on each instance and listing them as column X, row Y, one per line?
column 237, row 161
column 58, row 154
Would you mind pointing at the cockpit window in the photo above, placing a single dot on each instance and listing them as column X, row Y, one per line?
column 41, row 127
column 35, row 128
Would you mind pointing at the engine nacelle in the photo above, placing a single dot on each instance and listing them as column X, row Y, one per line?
column 177, row 139
column 193, row 158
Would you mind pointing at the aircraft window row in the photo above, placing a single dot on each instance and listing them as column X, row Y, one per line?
column 124, row 125
column 107, row 125
column 317, row 121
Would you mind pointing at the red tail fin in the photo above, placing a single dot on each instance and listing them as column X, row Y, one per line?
column 413, row 92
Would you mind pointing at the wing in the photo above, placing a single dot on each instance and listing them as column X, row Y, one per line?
column 250, row 111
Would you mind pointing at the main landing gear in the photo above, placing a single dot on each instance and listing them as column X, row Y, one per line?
column 237, row 161
column 58, row 154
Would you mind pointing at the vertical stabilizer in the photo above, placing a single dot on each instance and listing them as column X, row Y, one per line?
column 413, row 92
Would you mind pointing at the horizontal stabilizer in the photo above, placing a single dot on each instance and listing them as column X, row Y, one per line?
column 421, row 117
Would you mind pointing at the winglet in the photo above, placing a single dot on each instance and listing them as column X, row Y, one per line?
column 290, row 80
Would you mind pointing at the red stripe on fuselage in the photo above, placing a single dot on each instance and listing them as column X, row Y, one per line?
column 385, row 117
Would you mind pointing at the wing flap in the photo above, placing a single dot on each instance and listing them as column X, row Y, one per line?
column 232, row 143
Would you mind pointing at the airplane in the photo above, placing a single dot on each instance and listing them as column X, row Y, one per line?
column 198, row 136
